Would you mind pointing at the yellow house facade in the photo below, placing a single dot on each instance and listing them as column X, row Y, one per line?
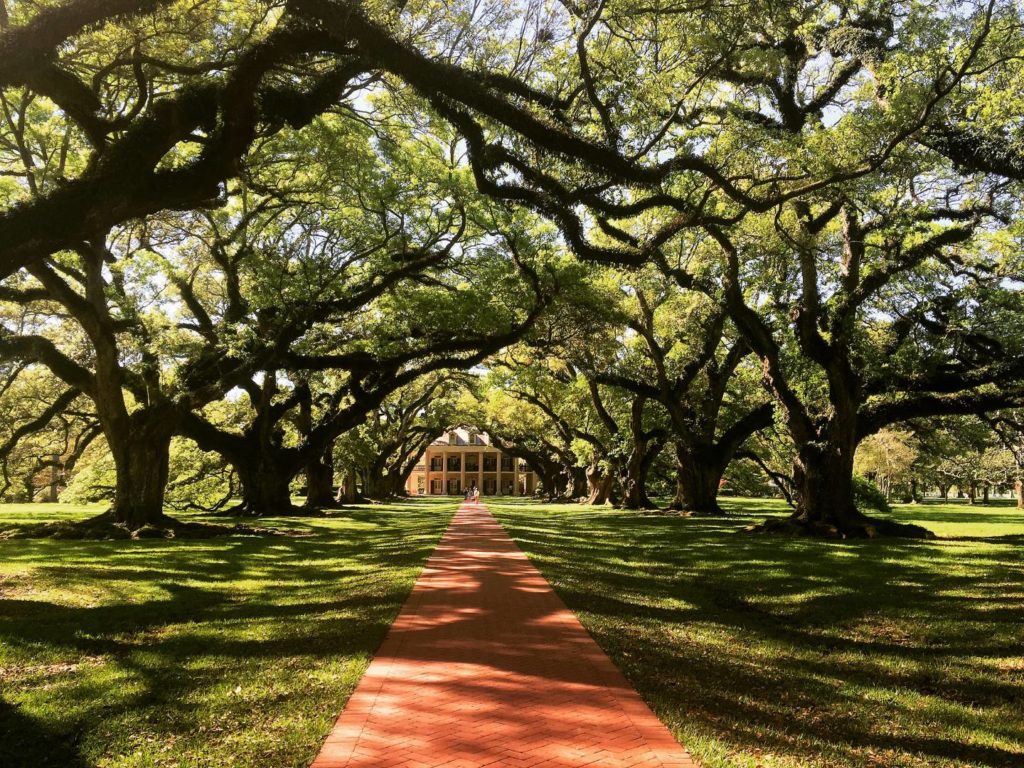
column 464, row 459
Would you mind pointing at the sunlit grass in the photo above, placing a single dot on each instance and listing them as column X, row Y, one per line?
column 757, row 651
column 770, row 652
column 236, row 651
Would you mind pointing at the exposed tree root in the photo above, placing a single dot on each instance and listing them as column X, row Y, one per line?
column 104, row 528
column 862, row 527
column 681, row 510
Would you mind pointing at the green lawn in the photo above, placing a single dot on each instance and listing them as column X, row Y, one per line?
column 757, row 651
column 763, row 652
column 235, row 651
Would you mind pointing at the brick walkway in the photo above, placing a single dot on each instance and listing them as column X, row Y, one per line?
column 485, row 666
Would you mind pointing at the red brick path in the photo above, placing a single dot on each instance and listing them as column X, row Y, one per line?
column 485, row 666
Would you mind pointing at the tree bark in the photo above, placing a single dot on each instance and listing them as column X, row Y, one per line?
column 554, row 478
column 823, row 476
column 645, row 447
column 320, row 481
column 599, row 485
column 1018, row 486
column 141, row 459
column 634, row 480
column 554, row 481
column 698, row 478
column 29, row 485
column 382, row 486
column 55, row 477
column 265, row 488
column 577, row 483
column 347, row 489
column 635, row 494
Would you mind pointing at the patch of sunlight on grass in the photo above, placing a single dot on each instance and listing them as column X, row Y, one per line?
column 234, row 651
column 765, row 652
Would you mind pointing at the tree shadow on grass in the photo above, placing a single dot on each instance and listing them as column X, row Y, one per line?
column 197, row 618
column 26, row 741
column 827, row 652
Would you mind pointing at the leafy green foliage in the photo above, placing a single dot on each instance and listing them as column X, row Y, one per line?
column 868, row 496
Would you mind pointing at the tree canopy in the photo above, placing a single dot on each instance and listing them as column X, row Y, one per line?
column 661, row 238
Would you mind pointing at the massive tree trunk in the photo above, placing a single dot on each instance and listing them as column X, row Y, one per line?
column 698, row 478
column 320, row 481
column 599, row 485
column 823, row 477
column 377, row 487
column 645, row 447
column 264, row 467
column 319, row 469
column 383, row 485
column 553, row 478
column 634, row 482
column 55, row 478
column 28, row 483
column 265, row 491
column 634, row 494
column 141, row 450
column 577, row 483
column 347, row 490
column 266, row 486
column 555, row 482
column 1018, row 486
column 634, row 478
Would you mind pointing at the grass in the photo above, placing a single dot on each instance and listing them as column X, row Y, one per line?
column 759, row 652
column 765, row 652
column 235, row 651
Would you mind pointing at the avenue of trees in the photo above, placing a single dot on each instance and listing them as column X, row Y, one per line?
column 254, row 247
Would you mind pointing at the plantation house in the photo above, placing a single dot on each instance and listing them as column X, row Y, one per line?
column 464, row 458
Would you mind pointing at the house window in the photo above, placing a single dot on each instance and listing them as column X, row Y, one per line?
column 474, row 438
column 490, row 486
column 435, row 487
column 473, row 462
column 454, row 463
column 453, row 438
column 436, row 463
column 490, row 462
column 506, row 487
column 453, row 487
column 506, row 463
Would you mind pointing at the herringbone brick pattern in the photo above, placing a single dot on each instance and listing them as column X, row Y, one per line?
column 485, row 666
